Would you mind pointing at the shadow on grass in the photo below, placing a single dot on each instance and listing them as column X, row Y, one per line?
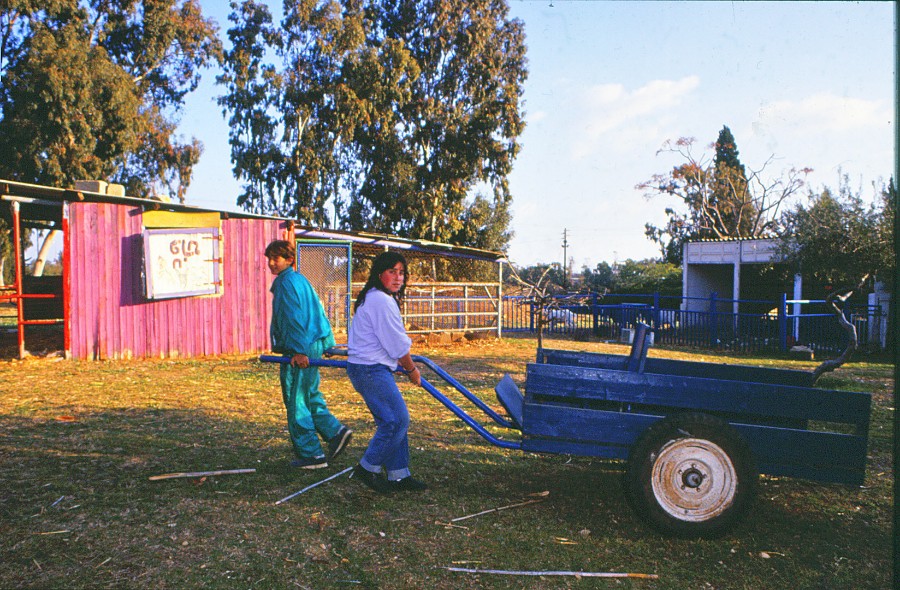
column 40, row 341
column 77, row 510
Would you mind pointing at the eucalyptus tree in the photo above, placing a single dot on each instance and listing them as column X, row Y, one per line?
column 92, row 90
column 379, row 115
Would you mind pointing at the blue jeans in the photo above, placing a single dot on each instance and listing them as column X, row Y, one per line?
column 389, row 447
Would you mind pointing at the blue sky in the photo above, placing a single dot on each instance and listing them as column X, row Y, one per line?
column 809, row 84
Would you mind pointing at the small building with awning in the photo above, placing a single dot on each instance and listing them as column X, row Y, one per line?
column 147, row 278
column 730, row 270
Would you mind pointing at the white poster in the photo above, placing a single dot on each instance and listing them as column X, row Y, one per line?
column 181, row 262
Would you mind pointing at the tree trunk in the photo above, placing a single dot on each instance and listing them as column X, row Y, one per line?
column 43, row 253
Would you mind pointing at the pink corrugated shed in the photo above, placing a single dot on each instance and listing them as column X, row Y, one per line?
column 109, row 317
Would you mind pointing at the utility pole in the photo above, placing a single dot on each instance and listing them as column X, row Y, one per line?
column 565, row 246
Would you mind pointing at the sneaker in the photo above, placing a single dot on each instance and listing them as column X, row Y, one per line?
column 310, row 462
column 375, row 481
column 339, row 442
column 407, row 484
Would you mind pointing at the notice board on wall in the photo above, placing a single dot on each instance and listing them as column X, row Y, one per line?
column 181, row 262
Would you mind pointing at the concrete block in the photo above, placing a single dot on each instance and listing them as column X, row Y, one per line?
column 91, row 186
column 802, row 353
column 115, row 190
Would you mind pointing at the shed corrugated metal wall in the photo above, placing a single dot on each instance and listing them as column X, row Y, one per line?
column 109, row 317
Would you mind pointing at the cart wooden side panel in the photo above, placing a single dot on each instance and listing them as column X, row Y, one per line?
column 684, row 368
column 793, row 431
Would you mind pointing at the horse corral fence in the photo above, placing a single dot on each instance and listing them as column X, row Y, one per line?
column 780, row 325
column 450, row 288
column 451, row 307
column 461, row 291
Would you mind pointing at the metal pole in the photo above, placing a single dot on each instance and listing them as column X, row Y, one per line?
column 782, row 322
column 466, row 307
column 798, row 295
column 311, row 486
column 17, row 249
column 500, row 300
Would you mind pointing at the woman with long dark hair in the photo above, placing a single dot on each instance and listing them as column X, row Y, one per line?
column 377, row 344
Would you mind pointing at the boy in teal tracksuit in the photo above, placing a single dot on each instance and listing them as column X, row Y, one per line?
column 300, row 330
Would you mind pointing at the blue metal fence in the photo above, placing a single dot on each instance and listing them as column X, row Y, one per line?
column 776, row 328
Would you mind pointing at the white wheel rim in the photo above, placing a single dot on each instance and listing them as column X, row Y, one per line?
column 693, row 479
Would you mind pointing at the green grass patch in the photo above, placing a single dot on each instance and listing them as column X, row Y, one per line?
column 78, row 441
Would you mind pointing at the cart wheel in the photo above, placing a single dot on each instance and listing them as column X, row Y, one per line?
column 691, row 475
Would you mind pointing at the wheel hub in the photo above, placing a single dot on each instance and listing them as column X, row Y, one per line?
column 693, row 479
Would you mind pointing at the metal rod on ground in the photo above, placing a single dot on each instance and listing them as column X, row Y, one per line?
column 200, row 474
column 309, row 487
column 556, row 573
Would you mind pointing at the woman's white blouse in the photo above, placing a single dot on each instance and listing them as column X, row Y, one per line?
column 377, row 334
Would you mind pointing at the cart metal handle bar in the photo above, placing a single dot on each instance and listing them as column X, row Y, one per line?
column 341, row 350
column 463, row 390
column 448, row 403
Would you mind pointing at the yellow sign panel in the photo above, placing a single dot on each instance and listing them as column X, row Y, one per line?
column 172, row 219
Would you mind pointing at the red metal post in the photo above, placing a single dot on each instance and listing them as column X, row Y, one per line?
column 17, row 248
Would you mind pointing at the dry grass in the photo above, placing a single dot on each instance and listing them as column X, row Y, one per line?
column 78, row 441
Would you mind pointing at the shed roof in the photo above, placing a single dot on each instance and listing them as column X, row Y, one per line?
column 732, row 251
column 42, row 205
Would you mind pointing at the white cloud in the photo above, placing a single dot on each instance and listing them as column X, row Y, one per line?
column 825, row 112
column 610, row 108
column 827, row 133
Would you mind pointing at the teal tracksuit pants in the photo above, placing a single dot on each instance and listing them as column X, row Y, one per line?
column 307, row 412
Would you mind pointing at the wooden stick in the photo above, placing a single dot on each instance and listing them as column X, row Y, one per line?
column 555, row 573
column 450, row 525
column 496, row 510
column 309, row 487
column 200, row 474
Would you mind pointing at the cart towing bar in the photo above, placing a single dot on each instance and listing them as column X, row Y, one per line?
column 435, row 393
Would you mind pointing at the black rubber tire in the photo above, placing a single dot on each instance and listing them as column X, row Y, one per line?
column 691, row 475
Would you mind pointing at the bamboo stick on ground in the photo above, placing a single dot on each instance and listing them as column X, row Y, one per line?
column 200, row 474
column 450, row 525
column 495, row 510
column 556, row 573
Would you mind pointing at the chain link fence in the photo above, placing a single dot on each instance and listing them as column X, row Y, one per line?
column 327, row 266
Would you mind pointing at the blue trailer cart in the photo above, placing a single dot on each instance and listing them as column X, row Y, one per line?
column 694, row 436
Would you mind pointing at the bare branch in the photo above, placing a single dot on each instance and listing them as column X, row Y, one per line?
column 847, row 326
